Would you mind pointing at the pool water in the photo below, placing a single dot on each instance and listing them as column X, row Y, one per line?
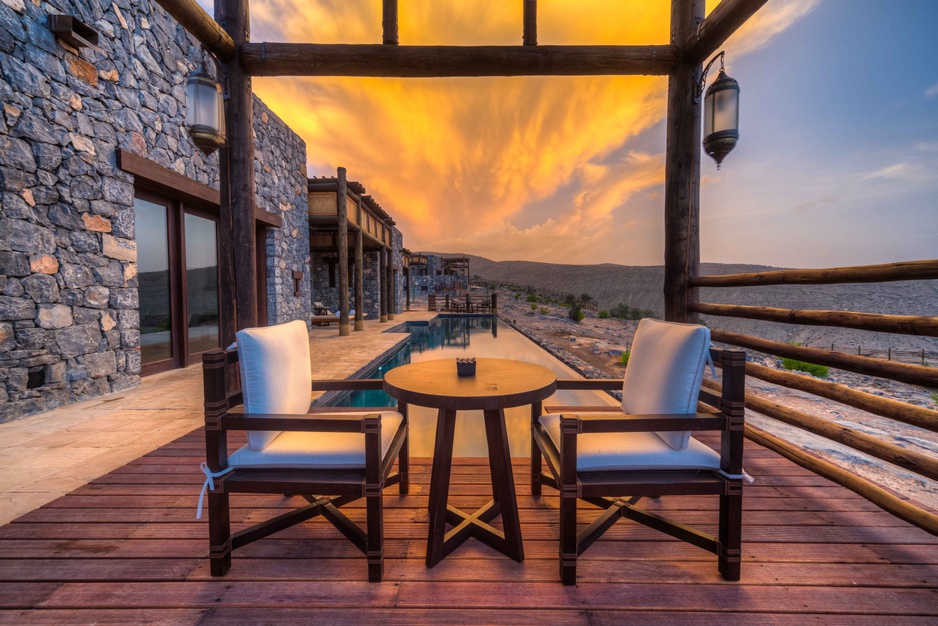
column 478, row 337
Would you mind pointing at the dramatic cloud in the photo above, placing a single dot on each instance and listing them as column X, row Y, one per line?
column 503, row 167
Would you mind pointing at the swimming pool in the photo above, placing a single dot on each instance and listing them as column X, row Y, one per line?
column 458, row 337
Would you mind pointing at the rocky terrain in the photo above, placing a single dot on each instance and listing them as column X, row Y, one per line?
column 593, row 347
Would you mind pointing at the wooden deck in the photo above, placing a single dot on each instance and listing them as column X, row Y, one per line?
column 127, row 548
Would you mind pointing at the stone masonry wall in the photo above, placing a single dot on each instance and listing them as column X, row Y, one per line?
column 69, row 320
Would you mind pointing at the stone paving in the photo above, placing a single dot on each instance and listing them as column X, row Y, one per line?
column 47, row 455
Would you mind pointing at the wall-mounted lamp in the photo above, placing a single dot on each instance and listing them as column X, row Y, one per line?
column 205, row 111
column 721, row 112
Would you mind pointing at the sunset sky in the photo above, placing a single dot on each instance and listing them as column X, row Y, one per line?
column 837, row 162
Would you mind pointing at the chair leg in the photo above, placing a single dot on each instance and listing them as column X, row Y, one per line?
column 535, row 454
column 375, row 551
column 219, row 533
column 403, row 464
column 568, row 548
column 731, row 525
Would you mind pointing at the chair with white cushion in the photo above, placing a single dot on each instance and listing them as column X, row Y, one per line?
column 612, row 459
column 337, row 454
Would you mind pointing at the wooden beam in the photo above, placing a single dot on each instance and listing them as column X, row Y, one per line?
column 888, row 272
column 886, row 407
column 306, row 59
column 342, row 244
column 200, row 25
column 722, row 22
column 888, row 501
column 682, row 174
column 919, row 325
column 903, row 372
column 239, row 114
column 530, row 22
column 389, row 22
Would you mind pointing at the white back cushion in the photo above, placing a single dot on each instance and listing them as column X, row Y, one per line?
column 275, row 373
column 665, row 369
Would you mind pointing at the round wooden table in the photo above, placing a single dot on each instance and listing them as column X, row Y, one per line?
column 498, row 384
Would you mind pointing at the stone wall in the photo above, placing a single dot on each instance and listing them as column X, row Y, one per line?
column 69, row 320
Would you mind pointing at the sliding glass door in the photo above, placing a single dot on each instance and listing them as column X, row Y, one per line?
column 177, row 268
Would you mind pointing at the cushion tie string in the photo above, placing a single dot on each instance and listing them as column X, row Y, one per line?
column 744, row 476
column 713, row 369
column 208, row 484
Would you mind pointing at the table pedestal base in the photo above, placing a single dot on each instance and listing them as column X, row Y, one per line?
column 440, row 542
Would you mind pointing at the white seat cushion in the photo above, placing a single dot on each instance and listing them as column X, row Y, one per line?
column 317, row 450
column 275, row 373
column 666, row 367
column 632, row 451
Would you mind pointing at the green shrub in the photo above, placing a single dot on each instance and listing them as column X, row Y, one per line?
column 934, row 397
column 534, row 306
column 575, row 313
column 820, row 371
column 517, row 296
column 585, row 297
column 532, row 298
column 624, row 358
column 544, row 310
column 604, row 315
column 569, row 299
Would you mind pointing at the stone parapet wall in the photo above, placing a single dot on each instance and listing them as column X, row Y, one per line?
column 69, row 320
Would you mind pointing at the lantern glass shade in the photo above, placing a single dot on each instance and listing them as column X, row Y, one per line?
column 721, row 117
column 205, row 112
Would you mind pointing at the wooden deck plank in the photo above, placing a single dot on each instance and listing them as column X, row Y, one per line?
column 127, row 548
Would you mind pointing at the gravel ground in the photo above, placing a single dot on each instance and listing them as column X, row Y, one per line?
column 593, row 347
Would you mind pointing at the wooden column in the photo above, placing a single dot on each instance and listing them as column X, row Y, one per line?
column 682, row 172
column 530, row 22
column 392, row 287
column 359, row 271
column 342, row 244
column 383, row 281
column 227, row 293
column 239, row 115
column 389, row 22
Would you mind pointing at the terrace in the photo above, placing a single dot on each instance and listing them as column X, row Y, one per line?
column 115, row 539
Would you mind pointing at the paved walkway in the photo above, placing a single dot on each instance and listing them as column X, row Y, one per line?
column 45, row 456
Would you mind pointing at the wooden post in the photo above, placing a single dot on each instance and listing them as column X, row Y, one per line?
column 359, row 271
column 227, row 294
column 530, row 22
column 392, row 287
column 407, row 295
column 383, row 281
column 682, row 172
column 239, row 114
column 389, row 22
column 342, row 243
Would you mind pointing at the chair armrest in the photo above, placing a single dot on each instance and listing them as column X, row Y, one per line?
column 621, row 422
column 594, row 384
column 577, row 409
column 327, row 423
column 355, row 384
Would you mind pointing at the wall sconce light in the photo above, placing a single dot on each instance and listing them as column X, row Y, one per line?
column 721, row 112
column 205, row 111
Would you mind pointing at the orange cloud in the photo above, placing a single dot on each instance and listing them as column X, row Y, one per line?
column 460, row 163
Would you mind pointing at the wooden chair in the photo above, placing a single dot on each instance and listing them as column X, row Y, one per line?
column 611, row 459
column 338, row 455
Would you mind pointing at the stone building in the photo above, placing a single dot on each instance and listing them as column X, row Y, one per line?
column 109, row 214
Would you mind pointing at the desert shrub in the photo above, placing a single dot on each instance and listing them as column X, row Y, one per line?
column 544, row 310
column 585, row 297
column 532, row 298
column 517, row 296
column 604, row 315
column 576, row 313
column 569, row 299
column 820, row 371
column 624, row 357
column 934, row 397
column 534, row 306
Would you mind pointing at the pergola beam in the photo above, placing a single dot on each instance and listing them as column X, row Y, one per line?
column 200, row 25
column 713, row 32
column 306, row 59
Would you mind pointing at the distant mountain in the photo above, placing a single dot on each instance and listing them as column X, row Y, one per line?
column 642, row 286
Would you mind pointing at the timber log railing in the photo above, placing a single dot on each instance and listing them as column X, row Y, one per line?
column 466, row 304
column 924, row 465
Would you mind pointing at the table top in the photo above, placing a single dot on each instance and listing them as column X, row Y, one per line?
column 497, row 384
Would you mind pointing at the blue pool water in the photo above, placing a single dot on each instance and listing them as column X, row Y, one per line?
column 479, row 337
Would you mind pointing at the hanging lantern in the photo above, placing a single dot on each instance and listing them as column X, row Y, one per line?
column 721, row 113
column 205, row 111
